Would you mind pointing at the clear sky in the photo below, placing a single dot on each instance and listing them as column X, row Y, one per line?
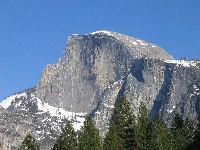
column 33, row 33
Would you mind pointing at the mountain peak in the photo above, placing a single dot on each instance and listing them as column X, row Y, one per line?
column 137, row 48
column 102, row 32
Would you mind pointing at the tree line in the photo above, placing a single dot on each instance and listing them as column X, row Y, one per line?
column 127, row 132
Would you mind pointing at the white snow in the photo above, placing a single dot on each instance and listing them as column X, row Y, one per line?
column 97, row 112
column 18, row 104
column 7, row 102
column 109, row 106
column 170, row 111
column 182, row 63
column 135, row 43
column 101, row 31
column 53, row 111
column 195, row 87
column 141, row 42
column 38, row 132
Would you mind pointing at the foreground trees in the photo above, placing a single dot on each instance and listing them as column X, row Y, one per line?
column 29, row 143
column 67, row 140
column 89, row 137
column 160, row 135
column 127, row 132
column 121, row 134
column 143, row 128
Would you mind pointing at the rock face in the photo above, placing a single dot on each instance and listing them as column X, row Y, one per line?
column 89, row 65
column 93, row 70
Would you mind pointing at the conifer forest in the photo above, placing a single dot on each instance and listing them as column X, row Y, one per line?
column 127, row 132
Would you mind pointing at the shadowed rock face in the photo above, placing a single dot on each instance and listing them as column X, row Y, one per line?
column 93, row 70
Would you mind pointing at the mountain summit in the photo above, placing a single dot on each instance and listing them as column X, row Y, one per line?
column 93, row 71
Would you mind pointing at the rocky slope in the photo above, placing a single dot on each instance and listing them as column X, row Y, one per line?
column 93, row 70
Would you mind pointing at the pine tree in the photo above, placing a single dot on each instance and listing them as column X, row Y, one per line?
column 177, row 123
column 89, row 137
column 29, row 143
column 188, row 131
column 179, row 139
column 160, row 135
column 195, row 145
column 121, row 134
column 112, row 140
column 143, row 128
column 67, row 140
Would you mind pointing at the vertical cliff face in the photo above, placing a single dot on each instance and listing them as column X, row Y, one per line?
column 183, row 92
column 93, row 71
column 90, row 64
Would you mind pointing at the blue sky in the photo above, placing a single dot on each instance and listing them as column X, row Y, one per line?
column 33, row 33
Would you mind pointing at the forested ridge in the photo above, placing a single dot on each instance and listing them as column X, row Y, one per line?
column 128, row 132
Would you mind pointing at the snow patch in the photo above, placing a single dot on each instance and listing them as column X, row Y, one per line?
column 109, row 106
column 135, row 43
column 7, row 102
column 170, row 111
column 101, row 31
column 62, row 113
column 181, row 62
column 141, row 42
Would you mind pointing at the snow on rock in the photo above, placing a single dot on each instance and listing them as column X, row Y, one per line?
column 170, row 111
column 62, row 113
column 141, row 42
column 108, row 106
column 135, row 43
column 101, row 31
column 182, row 63
column 7, row 102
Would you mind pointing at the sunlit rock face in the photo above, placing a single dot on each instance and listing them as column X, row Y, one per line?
column 93, row 71
column 89, row 65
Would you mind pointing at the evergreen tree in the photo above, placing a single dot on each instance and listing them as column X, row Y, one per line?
column 188, row 131
column 112, row 140
column 177, row 123
column 29, row 143
column 179, row 139
column 195, row 145
column 89, row 138
column 67, row 140
column 121, row 134
column 160, row 135
column 143, row 128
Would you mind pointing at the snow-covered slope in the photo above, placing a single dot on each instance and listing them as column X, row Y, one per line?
column 43, row 107
column 7, row 101
column 184, row 63
column 25, row 113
